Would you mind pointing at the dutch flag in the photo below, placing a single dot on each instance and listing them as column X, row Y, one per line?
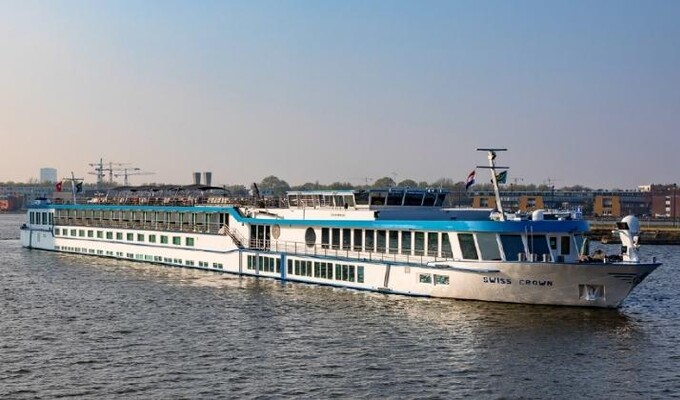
column 470, row 180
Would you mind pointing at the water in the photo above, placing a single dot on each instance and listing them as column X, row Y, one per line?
column 79, row 326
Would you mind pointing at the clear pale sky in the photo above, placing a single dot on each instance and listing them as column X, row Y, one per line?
column 581, row 92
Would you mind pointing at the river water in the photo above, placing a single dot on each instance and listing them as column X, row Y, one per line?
column 79, row 326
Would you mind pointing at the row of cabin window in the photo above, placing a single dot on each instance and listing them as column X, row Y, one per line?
column 40, row 218
column 264, row 264
column 427, row 243
column 324, row 270
column 192, row 218
column 151, row 238
column 384, row 241
column 512, row 246
column 140, row 257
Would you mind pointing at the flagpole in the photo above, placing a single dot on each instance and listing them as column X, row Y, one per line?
column 73, row 187
column 494, row 181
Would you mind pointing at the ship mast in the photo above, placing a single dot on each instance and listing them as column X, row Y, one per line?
column 491, row 154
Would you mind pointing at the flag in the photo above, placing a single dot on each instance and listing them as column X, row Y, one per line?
column 502, row 177
column 58, row 186
column 79, row 187
column 470, row 180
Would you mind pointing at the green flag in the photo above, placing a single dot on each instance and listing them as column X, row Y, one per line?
column 502, row 177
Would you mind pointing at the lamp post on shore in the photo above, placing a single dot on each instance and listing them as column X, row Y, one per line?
column 675, row 187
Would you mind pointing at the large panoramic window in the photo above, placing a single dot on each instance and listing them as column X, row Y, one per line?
column 357, row 239
column 325, row 238
column 406, row 242
column 432, row 243
column 381, row 240
column 467, row 246
column 488, row 246
column 419, row 245
column 538, row 244
column 346, row 239
column 369, row 243
column 446, row 246
column 335, row 238
column 513, row 247
column 394, row 242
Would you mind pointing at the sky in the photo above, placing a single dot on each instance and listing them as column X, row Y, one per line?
column 579, row 92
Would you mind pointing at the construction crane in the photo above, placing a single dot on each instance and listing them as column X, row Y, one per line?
column 125, row 172
column 101, row 167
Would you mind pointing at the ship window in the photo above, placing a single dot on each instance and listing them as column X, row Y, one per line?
column 44, row 218
column 100, row 234
column 395, row 198
column 176, row 240
column 565, row 248
column 419, row 245
column 109, row 235
column 290, row 267
column 119, row 235
column 432, row 243
column 357, row 239
column 360, row 274
column 189, row 242
column 369, row 235
column 81, row 232
column 446, row 246
column 164, row 239
column 57, row 232
column 361, row 197
column 413, row 199
column 378, row 198
column 381, row 240
column 425, row 278
column 467, row 246
column 512, row 247
column 429, row 199
column 325, row 240
column 32, row 217
column 140, row 237
column 441, row 279
column 553, row 242
column 310, row 237
column 538, row 245
column 90, row 233
column 51, row 218
column 346, row 239
column 406, row 242
column 152, row 238
column 336, row 238
column 130, row 236
column 488, row 246
column 394, row 242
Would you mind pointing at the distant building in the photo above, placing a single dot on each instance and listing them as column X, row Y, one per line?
column 597, row 204
column 9, row 203
column 48, row 175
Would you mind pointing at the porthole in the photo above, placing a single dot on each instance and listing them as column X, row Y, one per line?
column 310, row 237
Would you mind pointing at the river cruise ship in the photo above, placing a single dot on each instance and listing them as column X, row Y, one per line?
column 397, row 240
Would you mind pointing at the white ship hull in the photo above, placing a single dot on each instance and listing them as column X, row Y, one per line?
column 571, row 284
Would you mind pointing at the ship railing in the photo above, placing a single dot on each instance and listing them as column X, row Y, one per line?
column 302, row 249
